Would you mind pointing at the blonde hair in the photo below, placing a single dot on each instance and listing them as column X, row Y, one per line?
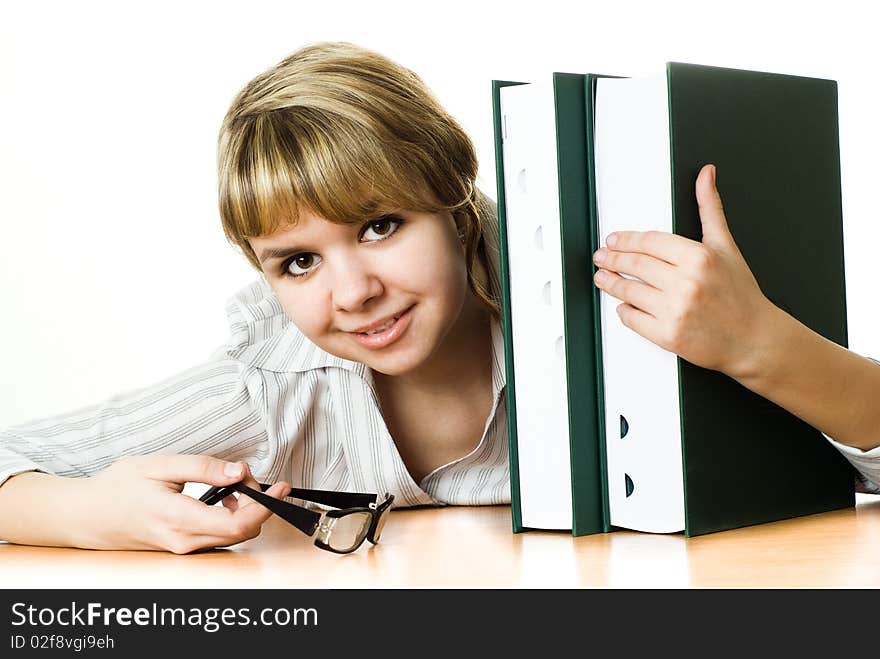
column 349, row 135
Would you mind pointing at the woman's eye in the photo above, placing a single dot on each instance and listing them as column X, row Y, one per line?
column 382, row 228
column 302, row 264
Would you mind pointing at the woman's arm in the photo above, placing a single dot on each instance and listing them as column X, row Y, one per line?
column 701, row 301
column 134, row 504
column 137, row 450
column 831, row 388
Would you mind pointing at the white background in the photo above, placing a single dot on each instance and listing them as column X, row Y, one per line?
column 113, row 267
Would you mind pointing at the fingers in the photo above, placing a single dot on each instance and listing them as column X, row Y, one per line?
column 230, row 503
column 221, row 526
column 652, row 271
column 635, row 293
column 250, row 481
column 192, row 469
column 251, row 514
column 640, row 322
column 247, row 511
column 659, row 244
column 677, row 249
column 250, row 511
column 715, row 229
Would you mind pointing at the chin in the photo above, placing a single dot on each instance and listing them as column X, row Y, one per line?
column 392, row 365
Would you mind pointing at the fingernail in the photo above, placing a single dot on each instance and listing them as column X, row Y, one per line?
column 599, row 256
column 611, row 240
column 601, row 277
column 233, row 469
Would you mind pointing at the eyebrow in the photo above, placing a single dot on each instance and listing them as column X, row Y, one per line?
column 277, row 253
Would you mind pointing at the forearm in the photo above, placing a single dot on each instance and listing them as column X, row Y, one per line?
column 39, row 509
column 831, row 388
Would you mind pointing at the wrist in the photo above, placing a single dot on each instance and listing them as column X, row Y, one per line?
column 767, row 346
column 81, row 523
column 35, row 509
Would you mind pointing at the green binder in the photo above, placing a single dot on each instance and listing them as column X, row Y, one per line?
column 774, row 140
column 572, row 110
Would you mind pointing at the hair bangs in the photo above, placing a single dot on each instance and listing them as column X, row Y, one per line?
column 296, row 158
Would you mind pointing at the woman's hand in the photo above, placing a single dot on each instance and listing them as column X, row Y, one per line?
column 701, row 301
column 696, row 299
column 137, row 503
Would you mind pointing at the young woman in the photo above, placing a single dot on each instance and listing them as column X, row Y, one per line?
column 367, row 358
column 369, row 354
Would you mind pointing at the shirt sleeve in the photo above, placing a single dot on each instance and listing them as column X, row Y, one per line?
column 866, row 463
column 214, row 409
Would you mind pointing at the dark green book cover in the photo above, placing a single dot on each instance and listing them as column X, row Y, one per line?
column 573, row 110
column 579, row 240
column 510, row 389
column 774, row 141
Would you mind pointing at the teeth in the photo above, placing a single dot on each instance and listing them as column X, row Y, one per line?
column 384, row 327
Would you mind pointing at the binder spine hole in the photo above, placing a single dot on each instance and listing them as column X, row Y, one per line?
column 539, row 238
column 545, row 294
column 624, row 426
column 629, row 484
column 560, row 347
column 521, row 180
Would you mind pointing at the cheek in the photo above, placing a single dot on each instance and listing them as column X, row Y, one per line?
column 435, row 272
column 305, row 312
column 455, row 277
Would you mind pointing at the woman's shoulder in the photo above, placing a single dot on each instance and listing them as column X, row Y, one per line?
column 262, row 335
column 255, row 315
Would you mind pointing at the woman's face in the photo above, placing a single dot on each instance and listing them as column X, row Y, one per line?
column 338, row 282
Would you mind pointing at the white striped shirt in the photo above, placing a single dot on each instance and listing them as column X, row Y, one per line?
column 274, row 399
column 866, row 463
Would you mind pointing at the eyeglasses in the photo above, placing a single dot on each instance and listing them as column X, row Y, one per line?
column 358, row 516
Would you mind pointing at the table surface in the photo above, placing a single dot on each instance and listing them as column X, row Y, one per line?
column 474, row 547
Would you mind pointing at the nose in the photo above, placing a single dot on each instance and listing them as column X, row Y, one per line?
column 355, row 283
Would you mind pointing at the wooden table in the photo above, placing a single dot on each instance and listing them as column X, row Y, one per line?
column 474, row 547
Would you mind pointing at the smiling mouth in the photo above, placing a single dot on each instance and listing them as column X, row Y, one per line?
column 383, row 327
column 385, row 334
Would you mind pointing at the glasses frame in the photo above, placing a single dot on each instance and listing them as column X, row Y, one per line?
column 311, row 522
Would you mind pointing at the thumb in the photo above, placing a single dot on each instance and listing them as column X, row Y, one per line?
column 715, row 230
column 194, row 469
column 278, row 490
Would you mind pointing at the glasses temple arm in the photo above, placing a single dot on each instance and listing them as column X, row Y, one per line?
column 330, row 498
column 303, row 519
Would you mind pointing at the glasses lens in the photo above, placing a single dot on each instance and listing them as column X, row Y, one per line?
column 348, row 531
column 381, row 524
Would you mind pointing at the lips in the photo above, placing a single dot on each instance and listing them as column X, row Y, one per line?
column 383, row 327
column 379, row 325
column 383, row 333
